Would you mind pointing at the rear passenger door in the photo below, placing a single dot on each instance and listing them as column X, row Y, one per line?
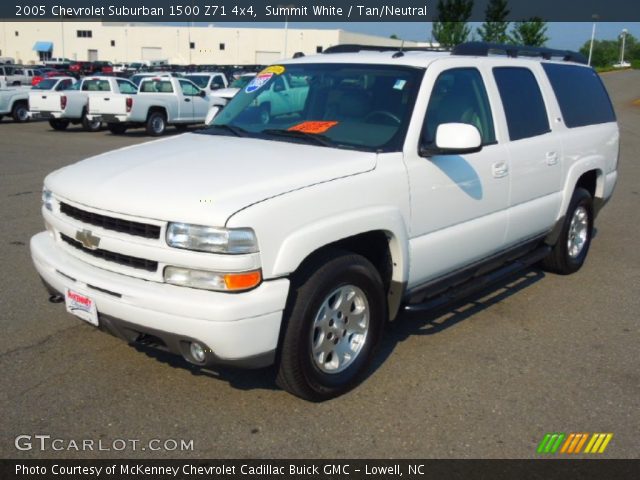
column 459, row 203
column 535, row 150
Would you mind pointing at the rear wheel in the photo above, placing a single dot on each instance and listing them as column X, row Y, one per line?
column 20, row 112
column 570, row 251
column 117, row 128
column 58, row 124
column 156, row 124
column 334, row 322
column 90, row 125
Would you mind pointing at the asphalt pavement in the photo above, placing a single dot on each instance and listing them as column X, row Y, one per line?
column 488, row 379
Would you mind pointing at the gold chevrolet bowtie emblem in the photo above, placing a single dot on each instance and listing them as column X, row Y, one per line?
column 87, row 239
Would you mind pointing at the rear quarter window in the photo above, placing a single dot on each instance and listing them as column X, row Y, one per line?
column 522, row 101
column 581, row 95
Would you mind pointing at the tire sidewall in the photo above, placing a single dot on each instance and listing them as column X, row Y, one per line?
column 581, row 198
column 17, row 113
column 150, row 122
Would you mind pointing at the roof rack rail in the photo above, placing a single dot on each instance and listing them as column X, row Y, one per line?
column 484, row 49
column 355, row 48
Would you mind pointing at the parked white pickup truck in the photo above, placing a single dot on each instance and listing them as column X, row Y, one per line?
column 160, row 101
column 208, row 81
column 15, row 102
column 408, row 180
column 71, row 105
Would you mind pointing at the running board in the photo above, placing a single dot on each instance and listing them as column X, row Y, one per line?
column 479, row 282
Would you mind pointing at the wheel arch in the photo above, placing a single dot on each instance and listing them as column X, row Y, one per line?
column 385, row 246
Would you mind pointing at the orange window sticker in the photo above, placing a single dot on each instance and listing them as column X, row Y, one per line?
column 313, row 127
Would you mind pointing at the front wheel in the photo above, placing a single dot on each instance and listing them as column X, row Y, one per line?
column 20, row 112
column 335, row 319
column 156, row 124
column 90, row 125
column 570, row 251
column 58, row 124
column 117, row 128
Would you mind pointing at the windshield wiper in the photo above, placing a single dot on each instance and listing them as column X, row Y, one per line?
column 237, row 131
column 309, row 137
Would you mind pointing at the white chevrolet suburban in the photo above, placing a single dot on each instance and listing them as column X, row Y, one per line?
column 404, row 180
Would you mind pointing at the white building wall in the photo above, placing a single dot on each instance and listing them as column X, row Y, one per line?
column 125, row 42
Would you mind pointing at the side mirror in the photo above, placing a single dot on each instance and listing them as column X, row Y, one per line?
column 202, row 93
column 211, row 114
column 453, row 139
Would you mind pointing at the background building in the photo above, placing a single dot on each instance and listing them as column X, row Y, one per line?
column 33, row 42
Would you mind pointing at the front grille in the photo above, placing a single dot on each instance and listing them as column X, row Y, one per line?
column 133, row 262
column 110, row 223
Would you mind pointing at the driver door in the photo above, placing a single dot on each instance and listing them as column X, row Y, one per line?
column 458, row 202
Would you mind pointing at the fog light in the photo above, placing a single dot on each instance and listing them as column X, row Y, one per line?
column 197, row 352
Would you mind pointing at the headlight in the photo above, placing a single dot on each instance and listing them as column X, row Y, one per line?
column 211, row 239
column 223, row 282
column 47, row 199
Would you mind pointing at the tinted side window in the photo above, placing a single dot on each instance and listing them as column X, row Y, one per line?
column 522, row 101
column 582, row 97
column 459, row 96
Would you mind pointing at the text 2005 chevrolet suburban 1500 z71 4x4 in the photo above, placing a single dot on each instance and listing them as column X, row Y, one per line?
column 403, row 180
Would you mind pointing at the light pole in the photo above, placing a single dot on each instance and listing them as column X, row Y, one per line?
column 624, row 37
column 593, row 37
column 286, row 25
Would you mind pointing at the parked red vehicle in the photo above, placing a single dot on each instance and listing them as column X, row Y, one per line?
column 81, row 68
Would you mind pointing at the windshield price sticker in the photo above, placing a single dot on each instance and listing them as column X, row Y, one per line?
column 258, row 82
column 313, row 127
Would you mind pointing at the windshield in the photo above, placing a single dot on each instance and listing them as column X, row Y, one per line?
column 242, row 81
column 364, row 107
column 200, row 80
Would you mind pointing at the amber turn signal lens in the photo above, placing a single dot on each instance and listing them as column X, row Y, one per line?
column 242, row 281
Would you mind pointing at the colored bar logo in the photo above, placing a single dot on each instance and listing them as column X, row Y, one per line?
column 573, row 443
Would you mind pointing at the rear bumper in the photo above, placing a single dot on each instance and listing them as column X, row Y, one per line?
column 108, row 118
column 44, row 115
column 240, row 329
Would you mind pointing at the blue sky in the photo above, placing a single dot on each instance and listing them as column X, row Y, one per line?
column 565, row 35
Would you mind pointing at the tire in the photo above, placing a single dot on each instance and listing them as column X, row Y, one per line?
column 264, row 113
column 156, row 124
column 58, row 124
column 303, row 369
column 20, row 112
column 117, row 128
column 90, row 125
column 571, row 249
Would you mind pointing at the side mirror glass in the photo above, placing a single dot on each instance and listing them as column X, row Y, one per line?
column 202, row 93
column 452, row 139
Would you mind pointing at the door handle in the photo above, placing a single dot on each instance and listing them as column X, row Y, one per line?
column 552, row 158
column 500, row 169
column 187, row 99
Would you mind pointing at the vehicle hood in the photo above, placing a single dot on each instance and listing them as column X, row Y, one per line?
column 225, row 92
column 202, row 179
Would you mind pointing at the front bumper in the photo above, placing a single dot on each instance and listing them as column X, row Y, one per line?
column 241, row 328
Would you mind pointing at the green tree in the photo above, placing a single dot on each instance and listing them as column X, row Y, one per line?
column 530, row 32
column 494, row 28
column 393, row 36
column 450, row 28
column 607, row 52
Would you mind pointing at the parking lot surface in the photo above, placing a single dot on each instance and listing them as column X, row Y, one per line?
column 540, row 353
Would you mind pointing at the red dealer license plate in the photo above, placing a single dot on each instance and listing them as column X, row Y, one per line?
column 81, row 306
